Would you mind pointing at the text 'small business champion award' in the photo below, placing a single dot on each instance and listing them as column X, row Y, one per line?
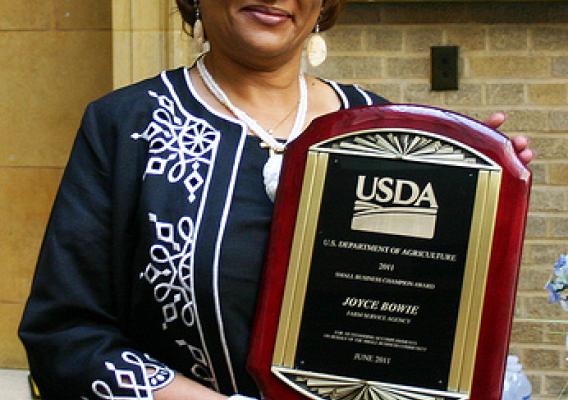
column 393, row 259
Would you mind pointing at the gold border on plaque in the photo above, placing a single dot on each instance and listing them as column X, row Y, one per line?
column 301, row 253
column 407, row 144
column 410, row 146
column 475, row 278
column 316, row 386
column 485, row 240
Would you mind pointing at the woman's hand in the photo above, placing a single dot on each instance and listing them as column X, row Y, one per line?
column 521, row 146
column 182, row 388
column 520, row 143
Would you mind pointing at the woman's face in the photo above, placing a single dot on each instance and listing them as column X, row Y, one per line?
column 256, row 30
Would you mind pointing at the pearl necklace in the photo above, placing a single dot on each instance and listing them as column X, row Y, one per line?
column 271, row 170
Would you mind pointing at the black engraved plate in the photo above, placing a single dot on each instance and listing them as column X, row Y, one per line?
column 387, row 269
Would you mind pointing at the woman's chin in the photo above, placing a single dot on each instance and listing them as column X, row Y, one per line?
column 270, row 46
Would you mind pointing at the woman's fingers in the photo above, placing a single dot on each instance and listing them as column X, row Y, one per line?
column 521, row 146
column 496, row 120
column 520, row 143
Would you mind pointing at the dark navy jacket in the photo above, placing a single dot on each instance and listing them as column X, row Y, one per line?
column 154, row 248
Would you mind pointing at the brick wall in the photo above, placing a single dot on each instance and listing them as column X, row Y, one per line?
column 56, row 56
column 513, row 58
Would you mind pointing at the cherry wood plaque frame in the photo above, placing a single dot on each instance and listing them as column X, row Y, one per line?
column 503, row 255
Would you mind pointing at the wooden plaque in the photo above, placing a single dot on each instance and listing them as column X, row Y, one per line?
column 393, row 259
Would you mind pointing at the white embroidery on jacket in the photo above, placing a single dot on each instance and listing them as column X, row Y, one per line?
column 182, row 148
column 180, row 145
column 222, row 224
column 154, row 376
column 170, row 274
column 170, row 270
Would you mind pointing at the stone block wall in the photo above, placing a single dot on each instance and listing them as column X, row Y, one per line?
column 56, row 56
column 147, row 37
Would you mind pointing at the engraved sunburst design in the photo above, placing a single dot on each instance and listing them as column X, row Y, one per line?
column 331, row 387
column 392, row 144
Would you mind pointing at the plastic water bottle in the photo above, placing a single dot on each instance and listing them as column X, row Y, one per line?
column 516, row 385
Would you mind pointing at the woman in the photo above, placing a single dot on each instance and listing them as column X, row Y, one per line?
column 156, row 239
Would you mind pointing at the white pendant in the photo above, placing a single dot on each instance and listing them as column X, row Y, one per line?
column 198, row 34
column 271, row 175
column 317, row 50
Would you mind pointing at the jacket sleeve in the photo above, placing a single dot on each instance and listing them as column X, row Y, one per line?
column 70, row 328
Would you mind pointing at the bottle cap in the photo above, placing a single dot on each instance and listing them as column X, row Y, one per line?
column 513, row 364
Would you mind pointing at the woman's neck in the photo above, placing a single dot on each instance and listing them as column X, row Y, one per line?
column 252, row 88
column 270, row 96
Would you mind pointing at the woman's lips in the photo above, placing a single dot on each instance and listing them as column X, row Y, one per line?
column 267, row 15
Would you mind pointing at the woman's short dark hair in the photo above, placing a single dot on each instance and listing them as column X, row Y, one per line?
column 329, row 13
